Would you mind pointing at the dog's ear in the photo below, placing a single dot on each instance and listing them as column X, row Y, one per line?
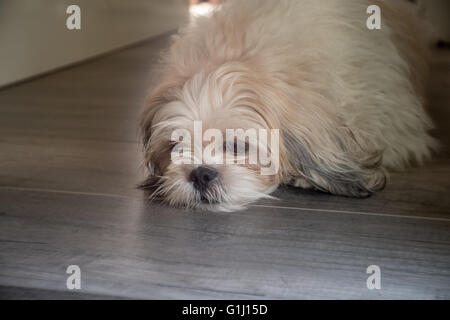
column 157, row 99
column 334, row 161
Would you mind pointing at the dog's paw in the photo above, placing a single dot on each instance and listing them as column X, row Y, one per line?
column 369, row 182
column 353, row 183
column 299, row 182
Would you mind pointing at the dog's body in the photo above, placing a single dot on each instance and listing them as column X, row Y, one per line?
column 347, row 100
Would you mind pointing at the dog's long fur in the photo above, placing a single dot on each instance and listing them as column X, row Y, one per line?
column 348, row 100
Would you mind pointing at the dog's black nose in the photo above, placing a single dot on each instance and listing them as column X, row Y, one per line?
column 202, row 177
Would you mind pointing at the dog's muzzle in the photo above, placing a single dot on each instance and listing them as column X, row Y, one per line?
column 202, row 178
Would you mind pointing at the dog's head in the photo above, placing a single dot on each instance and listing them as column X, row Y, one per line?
column 315, row 145
column 209, row 142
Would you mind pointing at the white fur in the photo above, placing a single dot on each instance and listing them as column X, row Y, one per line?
column 343, row 94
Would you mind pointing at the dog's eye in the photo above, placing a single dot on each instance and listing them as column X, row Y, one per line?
column 172, row 145
column 225, row 147
column 234, row 147
column 245, row 148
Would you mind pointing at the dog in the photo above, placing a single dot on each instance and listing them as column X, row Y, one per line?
column 348, row 101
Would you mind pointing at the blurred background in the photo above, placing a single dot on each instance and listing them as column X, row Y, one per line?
column 34, row 38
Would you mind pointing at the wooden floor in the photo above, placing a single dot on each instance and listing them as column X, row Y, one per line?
column 69, row 164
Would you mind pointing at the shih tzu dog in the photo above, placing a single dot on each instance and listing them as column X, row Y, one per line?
column 348, row 100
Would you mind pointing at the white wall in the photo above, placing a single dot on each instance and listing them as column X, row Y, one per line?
column 34, row 38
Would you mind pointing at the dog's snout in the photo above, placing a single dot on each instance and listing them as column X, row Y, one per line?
column 202, row 177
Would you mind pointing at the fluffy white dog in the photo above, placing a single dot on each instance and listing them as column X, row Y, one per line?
column 348, row 101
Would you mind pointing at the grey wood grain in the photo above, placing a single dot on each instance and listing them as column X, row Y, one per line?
column 69, row 164
column 126, row 247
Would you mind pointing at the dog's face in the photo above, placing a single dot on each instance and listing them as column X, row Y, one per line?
column 194, row 159
column 316, row 149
